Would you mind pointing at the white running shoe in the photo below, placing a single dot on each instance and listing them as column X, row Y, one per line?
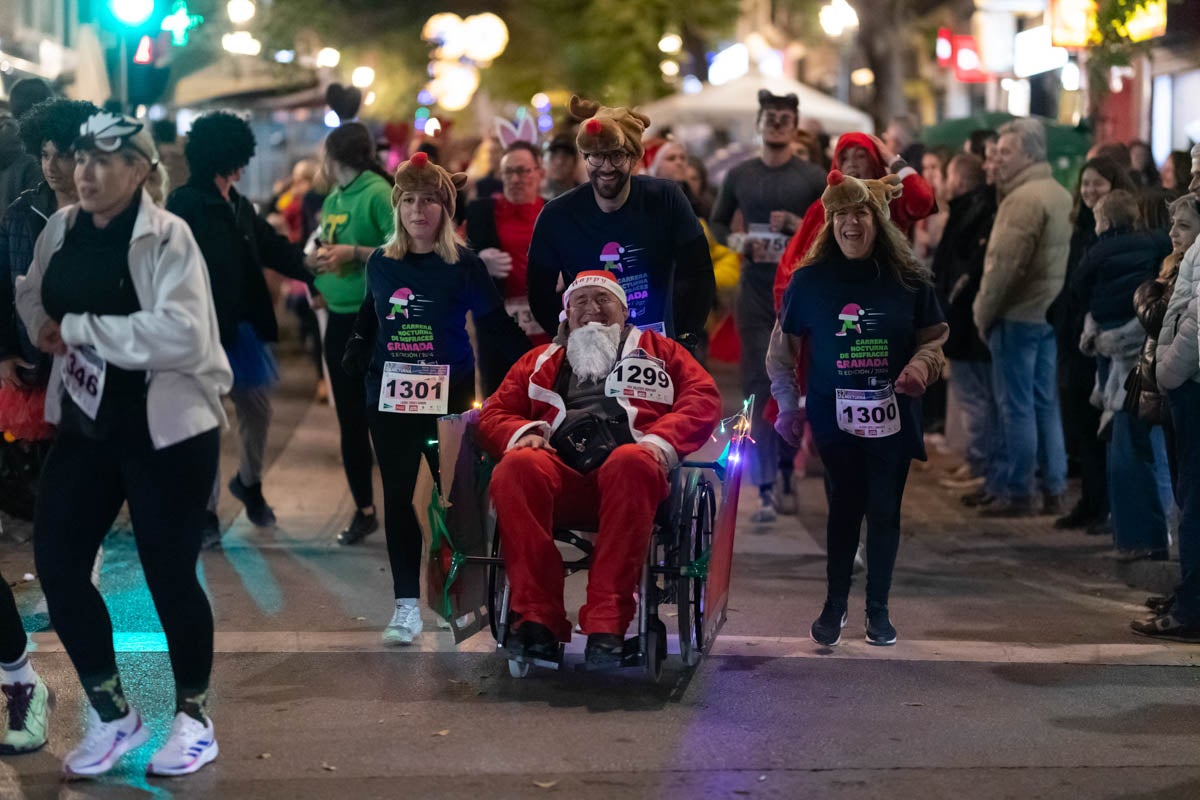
column 405, row 625
column 191, row 745
column 104, row 743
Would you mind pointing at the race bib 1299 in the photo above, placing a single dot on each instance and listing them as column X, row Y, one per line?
column 415, row 388
column 637, row 376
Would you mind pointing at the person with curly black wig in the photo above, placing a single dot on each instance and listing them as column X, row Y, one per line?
column 237, row 245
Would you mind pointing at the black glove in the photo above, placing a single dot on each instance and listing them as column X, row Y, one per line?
column 357, row 356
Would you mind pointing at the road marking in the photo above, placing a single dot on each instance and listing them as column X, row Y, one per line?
column 1133, row 653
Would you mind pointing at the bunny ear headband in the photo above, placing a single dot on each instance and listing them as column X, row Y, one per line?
column 524, row 131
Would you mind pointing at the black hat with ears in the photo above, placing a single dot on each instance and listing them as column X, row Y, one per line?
column 781, row 101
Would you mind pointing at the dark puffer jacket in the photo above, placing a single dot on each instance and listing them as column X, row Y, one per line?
column 1150, row 301
column 958, row 269
column 1113, row 268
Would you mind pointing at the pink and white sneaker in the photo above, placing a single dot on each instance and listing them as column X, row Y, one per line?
column 104, row 743
column 190, row 746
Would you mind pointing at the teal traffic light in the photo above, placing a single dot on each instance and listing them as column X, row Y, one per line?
column 132, row 12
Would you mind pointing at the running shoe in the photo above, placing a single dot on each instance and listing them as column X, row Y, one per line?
column 1166, row 626
column 880, row 630
column 190, row 746
column 766, row 509
column 28, row 717
column 405, row 625
column 104, row 743
column 827, row 629
column 359, row 528
column 257, row 510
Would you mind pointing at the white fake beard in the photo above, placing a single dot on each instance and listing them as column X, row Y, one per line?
column 592, row 350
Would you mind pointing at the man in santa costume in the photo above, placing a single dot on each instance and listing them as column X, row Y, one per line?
column 647, row 402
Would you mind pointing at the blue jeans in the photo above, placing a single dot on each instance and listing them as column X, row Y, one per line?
column 972, row 381
column 1139, row 484
column 1024, row 373
column 1185, row 416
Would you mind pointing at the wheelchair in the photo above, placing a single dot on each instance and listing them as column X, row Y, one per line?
column 690, row 546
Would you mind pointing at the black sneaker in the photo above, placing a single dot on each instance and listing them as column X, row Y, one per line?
column 880, row 630
column 1101, row 527
column 980, row 498
column 257, row 510
column 827, row 629
column 1011, row 507
column 1077, row 518
column 359, row 528
column 537, row 641
column 603, row 650
column 210, row 538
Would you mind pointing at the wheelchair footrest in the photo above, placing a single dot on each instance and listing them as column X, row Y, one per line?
column 514, row 652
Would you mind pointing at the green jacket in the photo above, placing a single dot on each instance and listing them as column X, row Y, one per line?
column 359, row 213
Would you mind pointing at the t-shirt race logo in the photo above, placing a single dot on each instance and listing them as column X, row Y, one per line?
column 851, row 318
column 624, row 259
column 400, row 300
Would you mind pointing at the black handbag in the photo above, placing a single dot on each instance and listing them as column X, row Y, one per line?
column 585, row 441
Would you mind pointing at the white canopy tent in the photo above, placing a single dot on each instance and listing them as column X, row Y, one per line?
column 732, row 107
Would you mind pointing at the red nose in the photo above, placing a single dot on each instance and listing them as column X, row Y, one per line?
column 593, row 127
column 419, row 159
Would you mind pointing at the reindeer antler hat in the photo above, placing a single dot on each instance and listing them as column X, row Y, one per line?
column 843, row 192
column 419, row 174
column 605, row 129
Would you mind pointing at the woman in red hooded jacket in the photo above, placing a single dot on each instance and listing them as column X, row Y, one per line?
column 862, row 156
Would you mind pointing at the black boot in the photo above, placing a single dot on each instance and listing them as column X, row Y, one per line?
column 604, row 650
column 257, row 509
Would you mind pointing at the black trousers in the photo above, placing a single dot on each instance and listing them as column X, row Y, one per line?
column 858, row 484
column 1081, row 424
column 83, row 486
column 350, row 399
column 12, row 631
column 400, row 441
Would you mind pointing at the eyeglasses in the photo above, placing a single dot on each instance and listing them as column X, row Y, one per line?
column 618, row 158
column 516, row 172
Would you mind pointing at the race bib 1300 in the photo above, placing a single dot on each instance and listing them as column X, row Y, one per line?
column 868, row 413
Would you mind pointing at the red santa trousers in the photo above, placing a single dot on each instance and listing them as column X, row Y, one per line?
column 534, row 492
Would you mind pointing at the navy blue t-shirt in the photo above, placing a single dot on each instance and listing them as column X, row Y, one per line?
column 421, row 306
column 638, row 243
column 862, row 328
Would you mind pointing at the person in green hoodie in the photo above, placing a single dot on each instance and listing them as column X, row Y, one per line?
column 355, row 220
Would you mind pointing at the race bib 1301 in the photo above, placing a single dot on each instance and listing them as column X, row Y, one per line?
column 868, row 413
column 415, row 388
column 83, row 372
column 637, row 376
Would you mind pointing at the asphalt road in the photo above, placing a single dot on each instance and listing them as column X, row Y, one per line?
column 1014, row 676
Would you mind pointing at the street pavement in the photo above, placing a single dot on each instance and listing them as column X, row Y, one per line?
column 1015, row 675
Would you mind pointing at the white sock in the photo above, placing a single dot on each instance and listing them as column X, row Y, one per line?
column 20, row 671
column 408, row 602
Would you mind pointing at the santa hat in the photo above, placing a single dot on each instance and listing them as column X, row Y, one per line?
column 606, row 129
column 843, row 192
column 419, row 174
column 593, row 277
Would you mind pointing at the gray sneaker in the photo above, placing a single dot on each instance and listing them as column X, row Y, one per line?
column 766, row 510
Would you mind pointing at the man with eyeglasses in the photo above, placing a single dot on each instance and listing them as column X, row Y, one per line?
column 772, row 192
column 641, row 229
column 499, row 228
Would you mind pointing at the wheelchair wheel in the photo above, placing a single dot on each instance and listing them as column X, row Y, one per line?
column 695, row 543
column 495, row 596
column 518, row 669
column 655, row 649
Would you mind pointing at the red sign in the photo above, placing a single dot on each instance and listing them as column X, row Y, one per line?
column 968, row 67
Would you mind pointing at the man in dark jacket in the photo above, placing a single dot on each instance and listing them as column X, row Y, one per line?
column 957, row 271
column 237, row 245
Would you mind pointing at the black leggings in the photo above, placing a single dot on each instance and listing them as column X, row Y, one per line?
column 83, row 485
column 400, row 441
column 12, row 631
column 858, row 483
column 350, row 399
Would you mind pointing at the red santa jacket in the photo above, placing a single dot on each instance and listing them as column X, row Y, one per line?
column 916, row 203
column 527, row 401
